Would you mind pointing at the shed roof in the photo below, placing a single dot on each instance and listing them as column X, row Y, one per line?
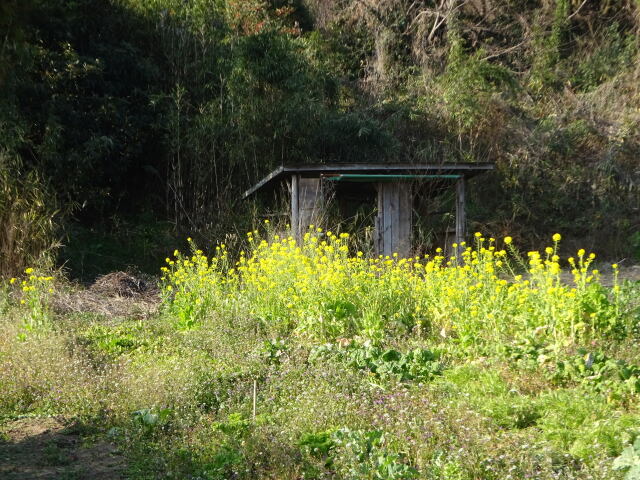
column 375, row 170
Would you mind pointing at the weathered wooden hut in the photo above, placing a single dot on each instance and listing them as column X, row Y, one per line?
column 394, row 185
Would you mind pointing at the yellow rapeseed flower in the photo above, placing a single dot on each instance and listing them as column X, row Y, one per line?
column 556, row 237
column 508, row 240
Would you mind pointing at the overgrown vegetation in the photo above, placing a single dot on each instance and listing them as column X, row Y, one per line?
column 124, row 123
column 27, row 218
column 132, row 110
column 315, row 362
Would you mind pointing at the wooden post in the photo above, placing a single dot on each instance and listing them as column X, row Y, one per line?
column 255, row 396
column 461, row 215
column 306, row 204
column 295, row 231
column 393, row 224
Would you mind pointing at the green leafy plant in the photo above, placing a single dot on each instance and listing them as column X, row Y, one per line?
column 600, row 312
column 629, row 461
column 419, row 364
column 274, row 350
column 597, row 371
column 235, row 424
column 149, row 419
column 319, row 445
column 114, row 341
column 365, row 454
column 227, row 450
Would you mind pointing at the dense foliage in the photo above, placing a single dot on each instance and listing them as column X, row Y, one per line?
column 170, row 109
column 310, row 362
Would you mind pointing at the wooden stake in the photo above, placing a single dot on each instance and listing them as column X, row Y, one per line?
column 255, row 394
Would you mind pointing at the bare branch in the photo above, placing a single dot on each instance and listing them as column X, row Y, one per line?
column 577, row 10
column 507, row 50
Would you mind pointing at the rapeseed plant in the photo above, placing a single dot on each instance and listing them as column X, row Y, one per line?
column 36, row 290
column 319, row 290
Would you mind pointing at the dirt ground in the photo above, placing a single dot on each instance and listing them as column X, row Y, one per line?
column 630, row 273
column 52, row 448
column 49, row 448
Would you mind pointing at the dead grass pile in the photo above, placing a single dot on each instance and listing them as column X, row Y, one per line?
column 116, row 294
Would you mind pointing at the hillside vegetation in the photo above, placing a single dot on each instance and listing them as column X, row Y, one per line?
column 128, row 113
column 126, row 125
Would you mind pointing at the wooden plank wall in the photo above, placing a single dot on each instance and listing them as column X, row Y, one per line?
column 307, row 205
column 394, row 221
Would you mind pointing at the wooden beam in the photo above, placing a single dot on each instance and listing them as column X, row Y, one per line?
column 461, row 214
column 295, row 216
column 466, row 169
column 388, row 167
column 272, row 176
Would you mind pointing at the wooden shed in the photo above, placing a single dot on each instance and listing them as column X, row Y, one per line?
column 394, row 185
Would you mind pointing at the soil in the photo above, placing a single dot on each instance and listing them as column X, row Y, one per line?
column 630, row 273
column 50, row 448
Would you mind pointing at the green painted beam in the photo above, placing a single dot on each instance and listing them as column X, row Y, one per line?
column 358, row 177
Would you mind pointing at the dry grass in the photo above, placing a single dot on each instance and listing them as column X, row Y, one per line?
column 28, row 215
column 117, row 294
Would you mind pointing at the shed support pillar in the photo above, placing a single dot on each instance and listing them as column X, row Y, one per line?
column 306, row 204
column 393, row 224
column 461, row 215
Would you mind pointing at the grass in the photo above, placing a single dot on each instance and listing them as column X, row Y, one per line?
column 313, row 361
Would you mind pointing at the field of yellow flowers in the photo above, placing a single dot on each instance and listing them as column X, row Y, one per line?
column 319, row 291
column 292, row 360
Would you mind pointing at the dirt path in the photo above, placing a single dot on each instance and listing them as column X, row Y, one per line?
column 48, row 449
column 631, row 273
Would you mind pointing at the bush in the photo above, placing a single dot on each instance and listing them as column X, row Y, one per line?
column 28, row 216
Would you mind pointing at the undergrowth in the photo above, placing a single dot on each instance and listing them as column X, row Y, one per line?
column 313, row 361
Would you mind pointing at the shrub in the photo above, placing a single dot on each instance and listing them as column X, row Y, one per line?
column 28, row 216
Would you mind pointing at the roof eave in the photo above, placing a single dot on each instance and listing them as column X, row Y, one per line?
column 469, row 169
